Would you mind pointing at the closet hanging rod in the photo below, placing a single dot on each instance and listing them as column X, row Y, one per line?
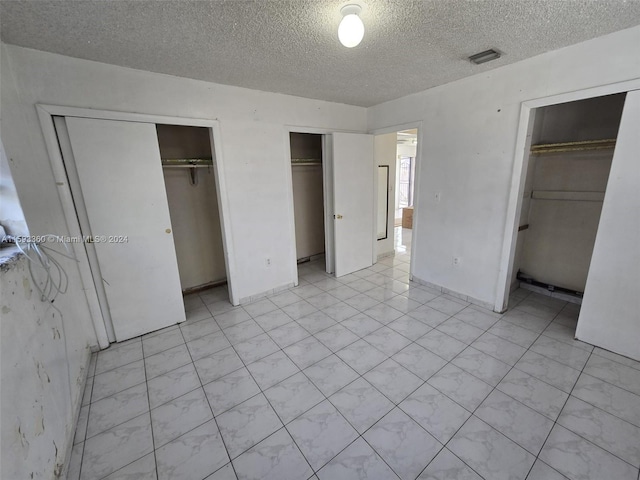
column 187, row 161
column 187, row 166
column 306, row 161
column 574, row 146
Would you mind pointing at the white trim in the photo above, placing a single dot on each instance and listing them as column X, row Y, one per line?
column 46, row 113
column 64, row 143
column 374, row 210
column 266, row 293
column 453, row 293
column 69, row 210
column 397, row 128
column 228, row 245
column 521, row 156
column 124, row 116
column 290, row 208
column 327, row 192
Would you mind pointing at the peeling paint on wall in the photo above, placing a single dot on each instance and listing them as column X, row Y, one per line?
column 27, row 288
column 37, row 363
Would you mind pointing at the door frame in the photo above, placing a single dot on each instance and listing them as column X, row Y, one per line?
column 519, row 173
column 327, row 193
column 47, row 112
column 418, row 125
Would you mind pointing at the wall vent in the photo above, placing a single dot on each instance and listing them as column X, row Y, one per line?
column 485, row 56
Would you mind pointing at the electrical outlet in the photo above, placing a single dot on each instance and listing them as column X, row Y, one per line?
column 457, row 261
column 268, row 262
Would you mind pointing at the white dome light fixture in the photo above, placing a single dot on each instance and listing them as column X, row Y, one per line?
column 351, row 29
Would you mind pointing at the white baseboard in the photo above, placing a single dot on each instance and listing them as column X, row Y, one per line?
column 461, row 296
column 260, row 296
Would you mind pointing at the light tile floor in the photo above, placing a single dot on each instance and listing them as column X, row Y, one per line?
column 365, row 376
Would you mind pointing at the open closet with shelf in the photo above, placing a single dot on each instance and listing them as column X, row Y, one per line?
column 308, row 194
column 568, row 169
column 187, row 165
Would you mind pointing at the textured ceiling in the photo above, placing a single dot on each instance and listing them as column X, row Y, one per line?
column 292, row 47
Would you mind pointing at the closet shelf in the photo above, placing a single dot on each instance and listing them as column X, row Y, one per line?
column 573, row 146
column 567, row 195
column 306, row 161
column 187, row 166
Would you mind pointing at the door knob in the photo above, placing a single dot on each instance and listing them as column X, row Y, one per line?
column 338, row 217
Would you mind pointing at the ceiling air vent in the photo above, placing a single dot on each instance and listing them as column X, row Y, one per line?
column 485, row 56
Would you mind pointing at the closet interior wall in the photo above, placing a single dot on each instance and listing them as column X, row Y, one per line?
column 308, row 196
column 193, row 208
column 564, row 191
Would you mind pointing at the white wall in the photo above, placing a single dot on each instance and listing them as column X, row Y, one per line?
column 252, row 124
column 11, row 216
column 468, row 145
column 44, row 357
column 609, row 314
column 384, row 150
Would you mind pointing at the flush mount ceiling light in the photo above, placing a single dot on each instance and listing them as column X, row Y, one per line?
column 351, row 29
column 485, row 56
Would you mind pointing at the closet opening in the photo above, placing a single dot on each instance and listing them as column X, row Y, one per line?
column 572, row 146
column 308, row 196
column 187, row 167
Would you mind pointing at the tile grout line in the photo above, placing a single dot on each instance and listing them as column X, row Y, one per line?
column 213, row 417
column 580, row 435
column 326, row 398
column 512, row 366
column 146, row 381
column 269, row 403
column 555, row 422
column 395, row 405
column 485, row 397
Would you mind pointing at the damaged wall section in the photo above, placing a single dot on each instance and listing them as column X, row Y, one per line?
column 42, row 388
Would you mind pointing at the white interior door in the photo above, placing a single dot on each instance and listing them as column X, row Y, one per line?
column 353, row 188
column 120, row 174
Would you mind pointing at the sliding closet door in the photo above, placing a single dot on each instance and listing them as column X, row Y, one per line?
column 120, row 173
column 609, row 314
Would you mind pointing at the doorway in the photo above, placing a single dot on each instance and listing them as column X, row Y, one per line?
column 348, row 199
column 190, row 183
column 308, row 196
column 110, row 172
column 567, row 170
column 396, row 155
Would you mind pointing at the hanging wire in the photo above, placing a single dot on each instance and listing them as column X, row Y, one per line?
column 56, row 281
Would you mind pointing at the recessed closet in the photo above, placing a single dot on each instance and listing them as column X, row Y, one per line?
column 145, row 200
column 308, row 194
column 572, row 147
column 193, row 206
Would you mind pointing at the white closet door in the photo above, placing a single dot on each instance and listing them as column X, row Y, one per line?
column 353, row 184
column 609, row 313
column 121, row 179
